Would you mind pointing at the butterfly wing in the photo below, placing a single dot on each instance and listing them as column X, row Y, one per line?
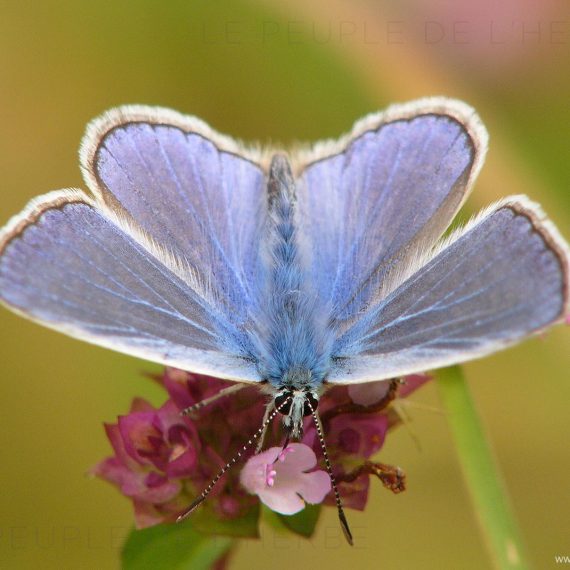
column 66, row 265
column 197, row 192
column 164, row 263
column 368, row 202
column 502, row 278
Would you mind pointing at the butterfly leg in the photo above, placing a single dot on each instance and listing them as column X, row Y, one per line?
column 268, row 410
column 190, row 410
column 352, row 408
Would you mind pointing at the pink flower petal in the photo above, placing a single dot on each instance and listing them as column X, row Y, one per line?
column 114, row 435
column 283, row 502
column 278, row 477
column 140, row 405
column 315, row 487
column 136, row 431
column 297, row 458
column 354, row 494
column 412, row 383
column 254, row 472
column 368, row 393
column 146, row 515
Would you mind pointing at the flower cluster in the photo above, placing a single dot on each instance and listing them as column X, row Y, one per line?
column 163, row 460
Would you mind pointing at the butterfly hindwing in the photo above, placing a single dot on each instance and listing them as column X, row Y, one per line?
column 499, row 280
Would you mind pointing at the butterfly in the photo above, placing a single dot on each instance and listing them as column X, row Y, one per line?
column 295, row 271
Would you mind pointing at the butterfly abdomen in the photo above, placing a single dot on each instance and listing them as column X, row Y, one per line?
column 295, row 340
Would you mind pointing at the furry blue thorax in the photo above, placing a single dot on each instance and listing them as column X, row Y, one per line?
column 297, row 346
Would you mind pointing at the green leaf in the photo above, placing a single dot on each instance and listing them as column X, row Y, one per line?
column 302, row 523
column 206, row 521
column 272, row 519
column 172, row 547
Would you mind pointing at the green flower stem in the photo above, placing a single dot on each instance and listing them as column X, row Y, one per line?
column 481, row 473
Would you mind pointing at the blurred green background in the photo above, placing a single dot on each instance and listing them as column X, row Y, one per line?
column 280, row 71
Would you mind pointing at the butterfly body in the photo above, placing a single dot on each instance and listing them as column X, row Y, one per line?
column 293, row 342
column 296, row 346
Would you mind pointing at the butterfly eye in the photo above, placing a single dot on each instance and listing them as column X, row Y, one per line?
column 313, row 401
column 284, row 398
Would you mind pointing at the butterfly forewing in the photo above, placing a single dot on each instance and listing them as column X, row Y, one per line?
column 392, row 187
column 191, row 190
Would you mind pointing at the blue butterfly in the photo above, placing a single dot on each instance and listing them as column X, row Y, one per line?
column 297, row 271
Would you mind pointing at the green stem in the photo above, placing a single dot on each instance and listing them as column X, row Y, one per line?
column 484, row 481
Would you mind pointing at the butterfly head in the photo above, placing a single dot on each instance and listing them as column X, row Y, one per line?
column 295, row 404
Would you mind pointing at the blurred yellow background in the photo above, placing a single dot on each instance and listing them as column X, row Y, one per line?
column 282, row 71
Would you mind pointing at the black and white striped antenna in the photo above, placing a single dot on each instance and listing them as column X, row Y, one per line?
column 341, row 515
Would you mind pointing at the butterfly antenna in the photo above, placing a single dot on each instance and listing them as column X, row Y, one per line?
column 341, row 516
column 230, row 464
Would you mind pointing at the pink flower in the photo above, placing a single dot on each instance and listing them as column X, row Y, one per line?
column 280, row 479
column 162, row 460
